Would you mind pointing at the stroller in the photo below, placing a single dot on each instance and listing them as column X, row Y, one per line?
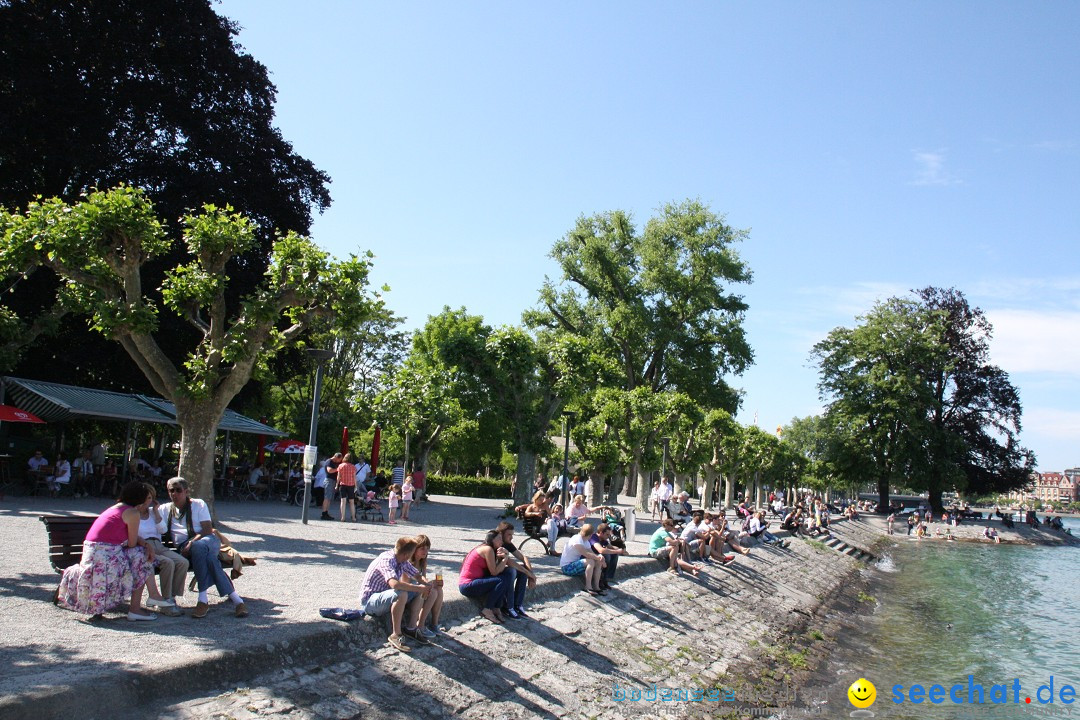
column 369, row 507
column 614, row 519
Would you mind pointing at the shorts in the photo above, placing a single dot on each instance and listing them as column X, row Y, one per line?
column 575, row 568
column 662, row 555
column 379, row 603
column 696, row 544
column 347, row 492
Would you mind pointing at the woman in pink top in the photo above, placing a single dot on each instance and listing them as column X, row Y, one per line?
column 115, row 561
column 486, row 574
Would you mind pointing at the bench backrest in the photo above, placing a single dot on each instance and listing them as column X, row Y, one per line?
column 66, row 536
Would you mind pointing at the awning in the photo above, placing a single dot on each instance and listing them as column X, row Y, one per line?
column 232, row 421
column 54, row 402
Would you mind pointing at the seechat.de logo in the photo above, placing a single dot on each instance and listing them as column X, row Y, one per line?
column 862, row 695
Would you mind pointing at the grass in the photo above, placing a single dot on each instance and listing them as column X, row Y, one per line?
column 816, row 634
column 818, row 545
column 865, row 598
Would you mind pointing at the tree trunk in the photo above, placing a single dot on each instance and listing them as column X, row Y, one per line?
column 883, row 494
column 198, row 438
column 729, row 490
column 710, row 486
column 596, row 497
column 644, row 487
column 617, row 482
column 526, row 472
column 757, row 489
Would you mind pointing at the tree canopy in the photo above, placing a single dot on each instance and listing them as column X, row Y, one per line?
column 98, row 248
column 155, row 95
column 914, row 401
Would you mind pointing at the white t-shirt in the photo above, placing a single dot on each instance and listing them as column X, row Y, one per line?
column 666, row 491
column 63, row 472
column 148, row 528
column 362, row 473
column 199, row 514
column 255, row 476
column 690, row 531
column 574, row 550
column 36, row 463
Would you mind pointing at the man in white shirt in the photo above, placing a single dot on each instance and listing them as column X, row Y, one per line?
column 697, row 537
column 188, row 522
column 664, row 497
column 362, row 472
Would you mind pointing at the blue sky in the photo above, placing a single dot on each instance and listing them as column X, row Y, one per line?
column 869, row 148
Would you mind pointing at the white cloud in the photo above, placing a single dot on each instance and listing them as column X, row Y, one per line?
column 931, row 169
column 1052, row 422
column 1052, row 292
column 1032, row 341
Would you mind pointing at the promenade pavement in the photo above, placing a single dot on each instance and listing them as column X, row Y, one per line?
column 52, row 656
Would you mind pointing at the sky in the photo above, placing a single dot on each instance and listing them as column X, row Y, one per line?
column 868, row 148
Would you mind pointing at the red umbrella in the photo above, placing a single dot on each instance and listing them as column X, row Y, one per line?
column 286, row 446
column 344, row 440
column 375, row 449
column 10, row 413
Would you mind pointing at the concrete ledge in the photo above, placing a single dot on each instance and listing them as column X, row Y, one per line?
column 219, row 668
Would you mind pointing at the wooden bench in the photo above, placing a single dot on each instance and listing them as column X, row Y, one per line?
column 533, row 528
column 66, row 534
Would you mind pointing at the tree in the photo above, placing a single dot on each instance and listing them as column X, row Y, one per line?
column 99, row 246
column 877, row 402
column 913, row 399
column 155, row 95
column 975, row 410
column 653, row 306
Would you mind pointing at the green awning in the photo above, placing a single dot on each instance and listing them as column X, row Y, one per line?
column 53, row 402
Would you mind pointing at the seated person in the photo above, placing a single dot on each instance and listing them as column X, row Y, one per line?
column 553, row 526
column 387, row 589
column 714, row 526
column 485, row 574
column 695, row 537
column 428, row 622
column 61, row 474
column 189, row 525
column 521, row 573
column 255, row 479
column 683, row 509
column 35, row 466
column 667, row 548
column 601, row 542
column 759, row 528
column 579, row 558
column 793, row 522
column 578, row 512
column 991, row 534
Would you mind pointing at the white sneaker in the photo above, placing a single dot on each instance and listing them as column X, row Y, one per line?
column 139, row 616
column 151, row 602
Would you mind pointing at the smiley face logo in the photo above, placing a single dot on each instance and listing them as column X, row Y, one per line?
column 862, row 693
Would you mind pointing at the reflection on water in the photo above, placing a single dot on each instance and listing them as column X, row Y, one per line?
column 950, row 610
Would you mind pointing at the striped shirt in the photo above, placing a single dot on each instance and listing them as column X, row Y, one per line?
column 381, row 571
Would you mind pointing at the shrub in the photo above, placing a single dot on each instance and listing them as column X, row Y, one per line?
column 464, row 486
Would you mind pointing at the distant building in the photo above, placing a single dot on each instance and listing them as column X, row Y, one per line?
column 1056, row 488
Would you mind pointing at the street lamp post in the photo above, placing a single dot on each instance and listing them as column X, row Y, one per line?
column 564, row 481
column 311, row 452
column 663, row 463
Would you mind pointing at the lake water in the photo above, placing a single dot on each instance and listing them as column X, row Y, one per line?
column 947, row 611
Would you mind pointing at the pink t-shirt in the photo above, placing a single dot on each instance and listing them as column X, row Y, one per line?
column 473, row 568
column 109, row 527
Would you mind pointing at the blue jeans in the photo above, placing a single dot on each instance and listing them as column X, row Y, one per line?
column 204, row 561
column 519, row 583
column 612, row 563
column 495, row 590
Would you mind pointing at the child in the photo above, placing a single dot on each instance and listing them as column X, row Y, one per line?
column 395, row 499
column 892, row 518
column 654, row 500
column 406, row 496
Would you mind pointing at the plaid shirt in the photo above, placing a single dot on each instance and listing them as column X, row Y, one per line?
column 381, row 571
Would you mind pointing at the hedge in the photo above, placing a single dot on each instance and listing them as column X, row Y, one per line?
column 464, row 486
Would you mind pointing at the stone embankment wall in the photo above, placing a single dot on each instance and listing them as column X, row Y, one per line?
column 747, row 631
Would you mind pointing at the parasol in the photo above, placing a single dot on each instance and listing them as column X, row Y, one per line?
column 375, row 449
column 10, row 413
